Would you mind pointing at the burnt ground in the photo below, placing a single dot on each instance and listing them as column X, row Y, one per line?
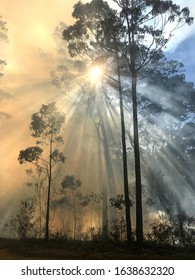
column 87, row 250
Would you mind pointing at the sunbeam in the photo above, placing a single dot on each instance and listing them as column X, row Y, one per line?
column 87, row 198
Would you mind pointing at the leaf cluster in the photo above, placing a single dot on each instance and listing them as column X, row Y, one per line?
column 139, row 29
column 31, row 154
column 71, row 182
column 47, row 122
column 46, row 125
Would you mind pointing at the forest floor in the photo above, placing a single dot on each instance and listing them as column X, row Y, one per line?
column 86, row 250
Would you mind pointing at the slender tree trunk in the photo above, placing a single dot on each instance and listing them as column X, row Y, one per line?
column 105, row 215
column 74, row 215
column 110, row 175
column 132, row 67
column 40, row 215
column 48, row 208
column 139, row 218
column 49, row 192
column 125, row 165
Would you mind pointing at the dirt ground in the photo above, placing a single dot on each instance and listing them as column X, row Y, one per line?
column 78, row 250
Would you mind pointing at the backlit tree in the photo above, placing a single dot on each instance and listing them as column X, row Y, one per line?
column 46, row 126
column 136, row 32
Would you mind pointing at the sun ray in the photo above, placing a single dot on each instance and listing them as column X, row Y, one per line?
column 95, row 72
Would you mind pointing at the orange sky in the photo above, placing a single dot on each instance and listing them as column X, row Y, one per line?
column 30, row 25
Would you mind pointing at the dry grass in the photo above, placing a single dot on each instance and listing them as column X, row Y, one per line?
column 83, row 250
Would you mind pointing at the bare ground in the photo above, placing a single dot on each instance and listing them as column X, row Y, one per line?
column 83, row 250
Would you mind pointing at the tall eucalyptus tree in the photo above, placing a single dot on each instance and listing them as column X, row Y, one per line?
column 136, row 32
column 46, row 126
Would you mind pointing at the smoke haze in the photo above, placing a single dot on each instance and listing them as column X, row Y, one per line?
column 31, row 55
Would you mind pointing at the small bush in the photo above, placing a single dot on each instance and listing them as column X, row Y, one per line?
column 23, row 224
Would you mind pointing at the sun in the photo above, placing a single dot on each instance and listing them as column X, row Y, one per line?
column 95, row 72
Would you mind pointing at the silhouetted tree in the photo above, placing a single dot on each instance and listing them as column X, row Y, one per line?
column 135, row 23
column 118, row 223
column 23, row 224
column 37, row 184
column 94, row 204
column 46, row 126
column 146, row 21
column 71, row 183
column 89, row 37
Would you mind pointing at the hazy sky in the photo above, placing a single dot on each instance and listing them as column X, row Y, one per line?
column 30, row 25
